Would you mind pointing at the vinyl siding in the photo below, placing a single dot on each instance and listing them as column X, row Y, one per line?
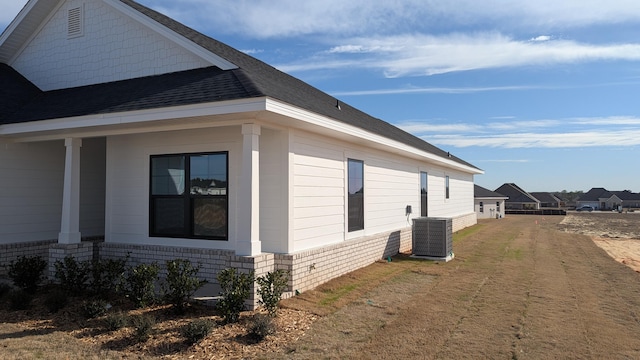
column 31, row 178
column 391, row 183
column 92, row 186
column 273, row 190
column 318, row 192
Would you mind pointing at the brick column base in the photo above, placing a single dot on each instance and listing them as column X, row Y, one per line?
column 57, row 252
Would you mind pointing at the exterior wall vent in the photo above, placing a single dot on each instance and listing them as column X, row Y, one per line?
column 75, row 22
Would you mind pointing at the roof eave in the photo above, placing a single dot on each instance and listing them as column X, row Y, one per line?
column 24, row 25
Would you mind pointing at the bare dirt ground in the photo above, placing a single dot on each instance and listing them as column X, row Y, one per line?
column 523, row 287
column 518, row 289
column 617, row 234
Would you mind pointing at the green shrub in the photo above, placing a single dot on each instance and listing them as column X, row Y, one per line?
column 20, row 299
column 116, row 321
column 141, row 284
column 181, row 283
column 94, row 308
column 27, row 272
column 107, row 277
column 56, row 300
column 72, row 274
column 143, row 327
column 261, row 326
column 235, row 291
column 197, row 330
column 271, row 287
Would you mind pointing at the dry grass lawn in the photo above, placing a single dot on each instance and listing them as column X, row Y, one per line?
column 523, row 287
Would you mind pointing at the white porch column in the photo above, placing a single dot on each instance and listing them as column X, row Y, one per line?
column 249, row 193
column 70, row 225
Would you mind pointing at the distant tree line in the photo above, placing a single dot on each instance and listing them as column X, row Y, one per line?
column 568, row 196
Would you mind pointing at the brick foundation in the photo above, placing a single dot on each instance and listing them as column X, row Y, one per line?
column 464, row 221
column 11, row 252
column 314, row 267
column 83, row 251
column 307, row 269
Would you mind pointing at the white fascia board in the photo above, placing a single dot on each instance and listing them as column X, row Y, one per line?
column 12, row 44
column 172, row 36
column 133, row 117
column 17, row 21
column 285, row 109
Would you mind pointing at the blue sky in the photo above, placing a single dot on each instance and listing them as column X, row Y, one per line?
column 543, row 93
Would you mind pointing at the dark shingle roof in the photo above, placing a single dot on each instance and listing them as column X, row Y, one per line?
column 180, row 88
column 516, row 194
column 594, row 194
column 15, row 91
column 480, row 192
column 545, row 197
column 253, row 78
column 627, row 195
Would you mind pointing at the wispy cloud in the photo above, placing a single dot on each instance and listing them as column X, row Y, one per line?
column 560, row 133
column 542, row 140
column 418, row 127
column 420, row 54
column 541, row 38
column 432, row 90
column 503, row 161
column 252, row 51
column 265, row 18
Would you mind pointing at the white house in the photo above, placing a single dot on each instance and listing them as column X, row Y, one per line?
column 123, row 131
column 603, row 199
column 489, row 204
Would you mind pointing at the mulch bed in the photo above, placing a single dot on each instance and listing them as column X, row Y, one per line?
column 226, row 341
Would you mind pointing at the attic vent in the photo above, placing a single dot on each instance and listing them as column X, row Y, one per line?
column 75, row 22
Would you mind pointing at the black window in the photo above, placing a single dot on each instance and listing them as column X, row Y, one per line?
column 189, row 196
column 498, row 206
column 481, row 207
column 446, row 186
column 423, row 194
column 356, row 195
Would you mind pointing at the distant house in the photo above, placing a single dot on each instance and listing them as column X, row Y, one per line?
column 518, row 199
column 119, row 124
column 603, row 199
column 547, row 200
column 488, row 204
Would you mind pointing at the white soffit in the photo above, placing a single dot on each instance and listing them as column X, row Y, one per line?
column 26, row 24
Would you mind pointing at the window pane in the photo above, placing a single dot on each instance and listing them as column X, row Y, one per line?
column 167, row 175
column 208, row 174
column 356, row 212
column 168, row 216
column 356, row 195
column 423, row 194
column 446, row 185
column 356, row 177
column 210, row 217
